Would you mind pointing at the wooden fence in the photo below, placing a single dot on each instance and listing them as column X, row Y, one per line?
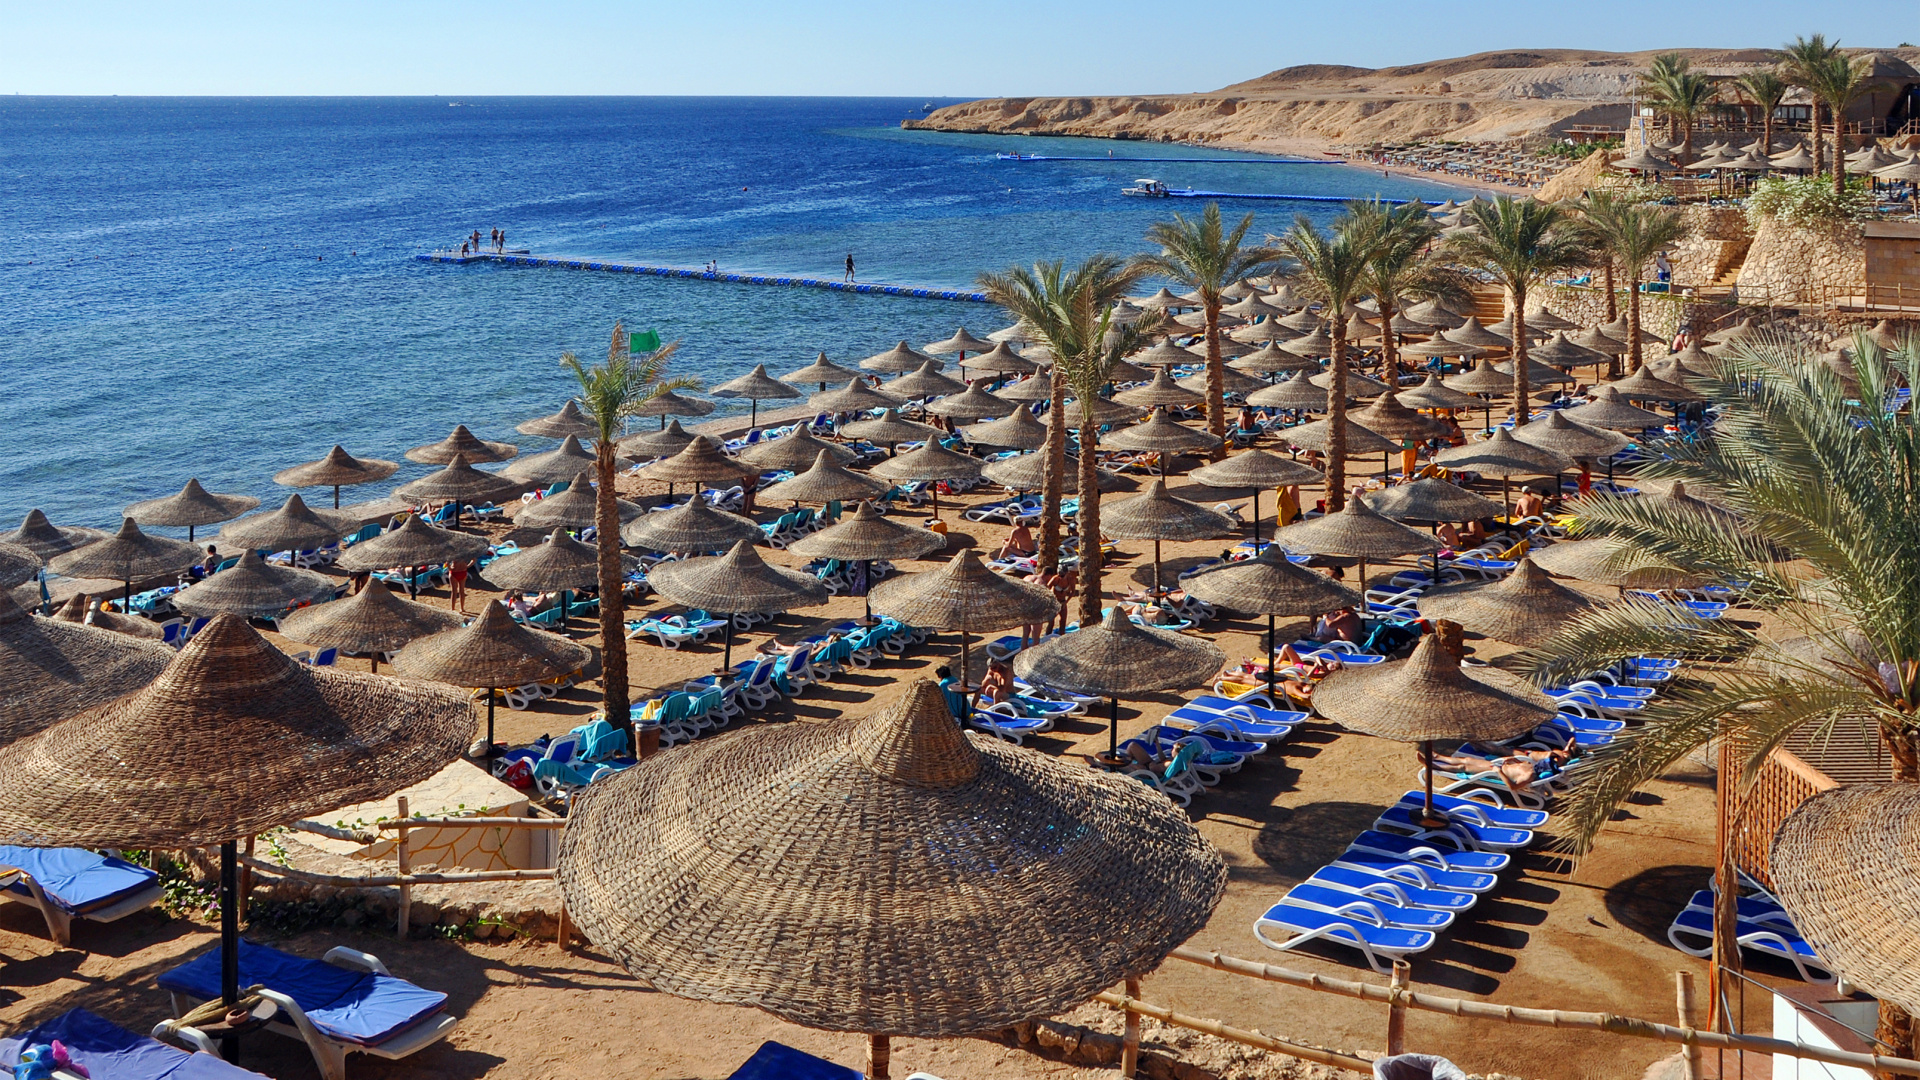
column 1781, row 785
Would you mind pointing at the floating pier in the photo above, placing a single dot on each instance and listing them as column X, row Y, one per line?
column 1193, row 193
column 622, row 266
column 1176, row 160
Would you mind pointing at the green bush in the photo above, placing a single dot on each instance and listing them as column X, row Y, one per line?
column 1807, row 200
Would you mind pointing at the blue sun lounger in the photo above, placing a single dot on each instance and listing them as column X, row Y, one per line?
column 1484, row 813
column 1767, row 939
column 1392, row 890
column 1314, row 894
column 1414, row 872
column 1465, row 833
column 1381, row 945
column 1216, row 703
column 111, row 1052
column 346, row 1002
column 1230, row 725
column 70, row 883
column 1411, row 850
column 777, row 1061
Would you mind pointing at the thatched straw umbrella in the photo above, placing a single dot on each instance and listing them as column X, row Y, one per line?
column 1389, row 419
column 898, row 360
column 80, row 608
column 931, row 462
column 1164, row 300
column 462, row 444
column 1161, row 355
column 17, row 564
column 962, row 594
column 821, row 372
column 1119, row 658
column 1027, row 472
column 1538, row 374
column 1122, row 372
column 1319, row 436
column 292, row 527
column 1162, row 436
column 1157, row 516
column 923, row 935
column 1017, row 334
column 337, row 470
column 925, row 381
column 371, row 622
column 1033, row 388
column 692, row 526
column 867, row 537
column 1018, row 430
column 414, row 544
column 756, row 386
column 668, row 403
column 1485, row 380
column 888, row 428
column 1522, row 608
column 460, row 484
column 647, row 445
column 574, row 507
column 1271, row 360
column 1607, row 409
column 1561, row 351
column 1642, row 385
column 1304, row 321
column 1161, row 390
column 1547, row 321
column 1608, row 562
column 232, row 739
column 1232, row 382
column 1435, row 314
column 1440, row 346
column 961, row 342
column 794, row 451
column 1617, row 330
column 1355, row 530
column 1358, row 385
column 569, row 421
column 975, row 403
column 700, row 463
column 1433, row 394
column 126, row 555
column 1256, row 470
column 1298, row 393
column 1472, row 333
column 254, row 589
column 1505, row 457
column 53, row 669
column 560, row 563
column 1265, row 332
column 556, row 466
column 1572, row 439
column 45, row 539
column 1431, row 499
column 825, row 482
column 490, row 653
column 1104, row 410
column 1000, row 360
column 192, row 506
column 1271, row 585
column 1430, row 696
column 739, row 582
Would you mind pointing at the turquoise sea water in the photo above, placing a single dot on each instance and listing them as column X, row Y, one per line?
column 224, row 287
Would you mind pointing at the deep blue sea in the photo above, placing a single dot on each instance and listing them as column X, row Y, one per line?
column 223, row 287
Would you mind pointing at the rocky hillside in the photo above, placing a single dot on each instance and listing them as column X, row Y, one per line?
column 1488, row 96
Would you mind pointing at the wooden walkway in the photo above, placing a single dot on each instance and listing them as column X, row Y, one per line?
column 622, row 266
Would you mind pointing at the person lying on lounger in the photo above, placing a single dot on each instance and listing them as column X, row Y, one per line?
column 1019, row 545
column 1520, row 769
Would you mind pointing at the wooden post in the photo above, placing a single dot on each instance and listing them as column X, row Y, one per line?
column 1397, row 1011
column 879, row 1052
column 1130, row 1041
column 405, row 859
column 1726, row 948
column 1683, row 1004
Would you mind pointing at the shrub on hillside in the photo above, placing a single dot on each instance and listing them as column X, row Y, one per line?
column 1807, row 200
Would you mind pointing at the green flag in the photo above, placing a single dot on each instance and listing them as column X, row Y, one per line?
column 645, row 341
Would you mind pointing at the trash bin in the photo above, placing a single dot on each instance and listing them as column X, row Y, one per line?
column 1416, row 1067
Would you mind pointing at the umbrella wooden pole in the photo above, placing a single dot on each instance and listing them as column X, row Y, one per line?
column 1113, row 725
column 1273, row 662
column 229, row 941
column 1256, row 521
column 879, row 1055
column 336, row 496
column 491, row 691
column 189, row 534
column 1156, row 571
column 727, row 663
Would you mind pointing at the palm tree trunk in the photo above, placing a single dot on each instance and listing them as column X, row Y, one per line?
column 1766, row 131
column 1816, row 137
column 1686, row 139
column 1055, row 476
column 1518, row 291
column 1089, row 524
column 1633, row 319
column 1389, row 347
column 613, row 637
column 1839, row 151
column 1216, row 381
column 1613, row 302
column 1337, row 413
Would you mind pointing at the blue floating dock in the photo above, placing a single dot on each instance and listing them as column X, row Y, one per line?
column 1177, row 160
column 620, row 266
column 1192, row 193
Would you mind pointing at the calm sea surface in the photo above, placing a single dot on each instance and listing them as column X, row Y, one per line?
column 224, row 287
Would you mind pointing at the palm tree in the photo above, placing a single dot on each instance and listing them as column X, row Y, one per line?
column 1766, row 89
column 1801, row 61
column 1632, row 233
column 1812, row 474
column 1203, row 256
column 609, row 393
column 1660, row 70
column 1402, row 262
column 1681, row 94
column 1054, row 304
column 1591, row 212
column 1839, row 81
column 1333, row 266
column 1518, row 241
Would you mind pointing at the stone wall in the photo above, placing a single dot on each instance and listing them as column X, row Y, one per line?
column 1719, row 239
column 1803, row 265
column 1660, row 313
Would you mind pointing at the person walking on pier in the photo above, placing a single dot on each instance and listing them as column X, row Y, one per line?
column 849, row 266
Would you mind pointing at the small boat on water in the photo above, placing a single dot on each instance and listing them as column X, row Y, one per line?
column 1015, row 156
column 1147, row 188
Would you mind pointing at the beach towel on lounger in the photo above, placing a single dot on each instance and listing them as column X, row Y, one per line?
column 346, row 1004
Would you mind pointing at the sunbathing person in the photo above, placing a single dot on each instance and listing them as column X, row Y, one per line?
column 1519, row 769
column 1342, row 625
column 1529, row 504
column 1020, row 544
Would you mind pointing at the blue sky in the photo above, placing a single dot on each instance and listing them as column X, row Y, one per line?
column 974, row 48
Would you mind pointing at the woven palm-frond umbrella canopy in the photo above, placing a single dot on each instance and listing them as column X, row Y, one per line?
column 1232, row 381
column 45, row 539
column 1524, row 607
column 1018, row 333
column 414, row 543
column 1298, row 393
column 923, row 382
column 756, row 386
column 963, row 595
column 1264, row 332
column 17, row 564
column 1162, row 300
column 568, row 421
column 1035, row 387
column 337, row 470
column 1018, row 430
column 795, row 450
column 1249, row 306
column 1538, row 374
column 999, row 360
column 1119, row 658
column 553, row 466
column 1607, row 409
column 1607, row 562
column 1547, row 321
column 1504, row 328
column 930, row 461
column 715, row 874
column 1272, row 359
column 371, row 622
column 1358, row 385
column 458, row 483
column 53, row 669
column 1257, row 470
column 700, row 463
column 1692, row 361
column 574, row 508
column 1121, row 371
column 975, row 403
column 1304, row 321
column 1162, row 354
column 1505, row 457
column 558, row 563
column 1570, row 437
column 489, row 653
column 1843, row 868
column 293, row 527
column 1197, row 320
column 1431, row 499
column 821, row 372
column 1389, row 418
column 1104, row 410
column 1485, row 378
column 1162, row 435
column 1643, row 385
column 898, row 360
column 960, row 342
column 1434, row 394
column 1360, row 330
column 75, row 610
column 1430, row 696
column 1161, row 390
column 1355, row 530
column 668, row 403
column 1316, row 344
column 1795, row 160
column 1157, row 516
column 739, row 581
column 1434, row 313
column 866, row 535
column 191, row 506
column 1746, row 329
column 1269, row 584
column 1319, row 436
column 692, row 526
column 1560, row 351
column 1440, row 346
column 254, row 588
column 646, row 445
column 462, row 444
column 1472, row 333
column 855, row 397
column 124, row 556
column 1618, row 330
column 1027, row 472
column 825, row 482
column 1404, row 323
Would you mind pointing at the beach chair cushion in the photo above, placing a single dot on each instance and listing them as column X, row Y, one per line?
column 349, row 1005
column 1509, row 817
column 1395, row 889
column 111, row 1052
column 1315, row 894
column 1407, row 849
column 777, row 1061
column 1306, row 924
column 1467, row 833
column 75, row 879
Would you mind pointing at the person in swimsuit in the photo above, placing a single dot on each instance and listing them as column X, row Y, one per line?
column 849, row 266
column 1520, row 769
column 457, row 597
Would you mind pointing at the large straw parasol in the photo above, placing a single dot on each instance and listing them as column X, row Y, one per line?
column 575, row 507
column 45, row 539
column 459, row 483
column 1271, row 585
column 1606, row 409
column 462, row 444
column 1643, row 385
column 1843, row 868
column 924, row 381
column 76, row 610
column 756, row 386
column 1104, row 411
column 254, row 589
column 1232, row 381
column 1358, row 385
column 1317, row 344
column 1538, row 374
column 1561, row 351
column 714, row 875
column 1358, row 531
column 1018, row 333
column 1319, row 436
column 371, row 622
column 1524, row 607
column 897, row 361
column 1119, row 658
column 736, row 583
column 1265, row 332
column 1607, row 562
column 1389, row 418
column 53, row 669
column 1027, row 472
column 693, row 526
column 1161, row 390
column 1161, row 435
column 1162, row 354
column 868, row 536
column 821, row 372
column 231, row 740
column 1035, row 387
column 1431, row 499
column 1794, row 160
column 1000, row 360
column 569, row 421
column 961, row 342
column 1430, row 696
column 794, row 451
column 1618, row 330
column 1440, row 346
column 962, row 594
column 700, row 463
column 667, row 403
column 1433, row 394
column 292, row 527
column 414, row 543
column 1018, row 430
column 1270, row 360
column 1570, row 437
column 337, row 470
column 667, row 441
column 825, row 482
column 559, row 563
column 1162, row 300
column 930, row 461
column 975, row 403
column 17, row 564
column 192, row 506
column 124, row 556
column 554, row 466
column 490, row 653
column 1258, row 470
column 1304, row 321
column 1157, row 516
column 1435, row 314
column 1298, row 393
column 1122, row 372
column 855, row 397
column 1505, row 457
column 889, row 428
column 1472, row 333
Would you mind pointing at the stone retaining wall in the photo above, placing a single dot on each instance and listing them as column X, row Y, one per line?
column 1795, row 264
